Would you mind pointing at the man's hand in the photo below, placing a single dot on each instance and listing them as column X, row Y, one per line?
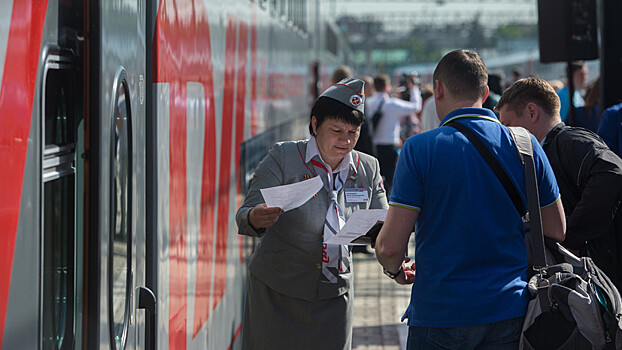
column 408, row 274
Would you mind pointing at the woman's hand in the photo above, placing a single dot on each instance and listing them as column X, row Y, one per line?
column 261, row 216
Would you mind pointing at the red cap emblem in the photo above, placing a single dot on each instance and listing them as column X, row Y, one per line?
column 355, row 100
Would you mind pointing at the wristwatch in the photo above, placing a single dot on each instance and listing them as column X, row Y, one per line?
column 391, row 274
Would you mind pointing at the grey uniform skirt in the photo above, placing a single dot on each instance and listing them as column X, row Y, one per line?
column 274, row 321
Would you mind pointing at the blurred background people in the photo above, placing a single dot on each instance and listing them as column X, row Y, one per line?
column 610, row 128
column 588, row 115
column 556, row 84
column 516, row 74
column 365, row 143
column 340, row 73
column 578, row 72
column 390, row 111
column 494, row 91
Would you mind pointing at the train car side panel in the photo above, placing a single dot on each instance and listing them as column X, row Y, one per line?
column 20, row 39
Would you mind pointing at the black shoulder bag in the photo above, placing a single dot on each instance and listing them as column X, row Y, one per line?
column 375, row 119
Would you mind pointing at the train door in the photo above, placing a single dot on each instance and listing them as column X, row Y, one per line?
column 116, row 173
column 41, row 89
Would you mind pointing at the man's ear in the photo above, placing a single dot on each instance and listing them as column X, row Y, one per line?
column 486, row 94
column 532, row 111
column 439, row 90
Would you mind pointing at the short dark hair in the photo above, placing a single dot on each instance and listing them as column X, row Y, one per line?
column 329, row 108
column 381, row 81
column 531, row 89
column 341, row 73
column 463, row 73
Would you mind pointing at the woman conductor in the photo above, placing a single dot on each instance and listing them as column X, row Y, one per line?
column 299, row 289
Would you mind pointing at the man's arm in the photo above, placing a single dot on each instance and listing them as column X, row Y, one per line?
column 393, row 237
column 554, row 221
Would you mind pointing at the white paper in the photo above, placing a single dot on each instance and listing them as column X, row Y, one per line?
column 288, row 197
column 357, row 225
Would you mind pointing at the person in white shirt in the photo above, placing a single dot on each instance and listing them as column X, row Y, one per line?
column 429, row 118
column 386, row 131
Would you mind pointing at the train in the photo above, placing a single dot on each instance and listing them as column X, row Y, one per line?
column 129, row 130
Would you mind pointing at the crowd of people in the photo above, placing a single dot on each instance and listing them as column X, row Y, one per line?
column 378, row 146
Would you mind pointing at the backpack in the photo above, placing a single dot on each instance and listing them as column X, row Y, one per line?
column 574, row 304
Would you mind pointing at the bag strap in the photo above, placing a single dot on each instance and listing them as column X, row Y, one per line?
column 522, row 141
column 493, row 163
column 524, row 147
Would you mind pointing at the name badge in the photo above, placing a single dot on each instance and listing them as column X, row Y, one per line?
column 357, row 195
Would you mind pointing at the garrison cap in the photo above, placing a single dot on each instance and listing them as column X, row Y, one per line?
column 348, row 91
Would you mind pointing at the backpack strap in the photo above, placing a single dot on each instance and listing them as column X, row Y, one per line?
column 522, row 141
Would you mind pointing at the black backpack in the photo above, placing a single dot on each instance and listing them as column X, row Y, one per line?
column 375, row 119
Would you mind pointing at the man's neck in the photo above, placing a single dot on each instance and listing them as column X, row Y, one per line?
column 450, row 107
column 547, row 126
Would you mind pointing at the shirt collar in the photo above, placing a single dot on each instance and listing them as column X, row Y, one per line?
column 554, row 131
column 313, row 152
column 470, row 112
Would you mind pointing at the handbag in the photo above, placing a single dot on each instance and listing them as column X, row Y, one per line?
column 574, row 305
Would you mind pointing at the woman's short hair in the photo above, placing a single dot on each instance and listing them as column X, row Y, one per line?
column 329, row 108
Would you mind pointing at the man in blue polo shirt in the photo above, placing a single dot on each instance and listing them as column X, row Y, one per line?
column 470, row 256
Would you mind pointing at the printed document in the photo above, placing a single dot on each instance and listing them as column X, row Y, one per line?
column 357, row 226
column 288, row 197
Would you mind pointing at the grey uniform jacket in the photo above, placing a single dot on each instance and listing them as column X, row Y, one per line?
column 289, row 256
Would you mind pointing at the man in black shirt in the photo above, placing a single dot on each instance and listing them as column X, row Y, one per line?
column 588, row 173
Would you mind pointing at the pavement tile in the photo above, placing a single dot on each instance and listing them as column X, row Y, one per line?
column 379, row 304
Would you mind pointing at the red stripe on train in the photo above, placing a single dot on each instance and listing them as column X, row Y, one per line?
column 16, row 103
column 183, row 55
column 235, row 336
column 253, row 70
column 240, row 111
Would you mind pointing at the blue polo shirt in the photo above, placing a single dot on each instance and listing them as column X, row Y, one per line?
column 470, row 257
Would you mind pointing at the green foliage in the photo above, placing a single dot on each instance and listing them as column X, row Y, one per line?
column 420, row 51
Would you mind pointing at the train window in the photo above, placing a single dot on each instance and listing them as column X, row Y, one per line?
column 58, row 209
column 121, row 219
column 58, row 263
